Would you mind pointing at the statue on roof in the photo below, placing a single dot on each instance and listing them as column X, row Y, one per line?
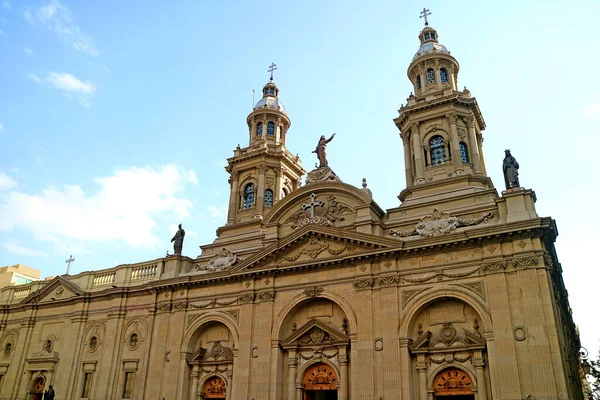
column 510, row 168
column 178, row 240
column 321, row 150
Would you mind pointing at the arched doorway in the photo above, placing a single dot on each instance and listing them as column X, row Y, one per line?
column 36, row 392
column 320, row 383
column 453, row 384
column 214, row 388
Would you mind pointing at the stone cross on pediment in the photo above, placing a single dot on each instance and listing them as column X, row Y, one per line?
column 312, row 205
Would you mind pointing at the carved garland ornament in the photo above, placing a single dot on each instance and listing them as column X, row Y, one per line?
column 313, row 248
column 440, row 223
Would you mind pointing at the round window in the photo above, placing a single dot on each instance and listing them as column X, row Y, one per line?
column 93, row 343
column 8, row 347
column 134, row 341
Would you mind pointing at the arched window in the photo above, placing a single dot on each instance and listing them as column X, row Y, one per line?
column 464, row 154
column 271, row 128
column 418, row 81
column 259, row 129
column 268, row 198
column 443, row 75
column 438, row 150
column 427, row 36
column 430, row 75
column 248, row 196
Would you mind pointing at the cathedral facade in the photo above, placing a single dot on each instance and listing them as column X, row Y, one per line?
column 313, row 292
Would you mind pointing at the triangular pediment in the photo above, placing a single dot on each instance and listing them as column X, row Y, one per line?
column 314, row 245
column 315, row 333
column 57, row 289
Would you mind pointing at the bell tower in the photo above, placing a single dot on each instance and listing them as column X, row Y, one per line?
column 440, row 126
column 264, row 171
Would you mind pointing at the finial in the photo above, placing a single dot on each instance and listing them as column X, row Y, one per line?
column 272, row 68
column 364, row 183
column 424, row 15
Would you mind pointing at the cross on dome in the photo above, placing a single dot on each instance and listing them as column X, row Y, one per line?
column 424, row 15
column 272, row 68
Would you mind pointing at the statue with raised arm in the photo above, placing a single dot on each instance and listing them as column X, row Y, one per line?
column 321, row 150
column 510, row 168
column 178, row 240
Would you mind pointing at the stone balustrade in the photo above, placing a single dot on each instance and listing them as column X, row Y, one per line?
column 91, row 281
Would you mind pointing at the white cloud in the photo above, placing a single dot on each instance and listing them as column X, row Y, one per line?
column 6, row 182
column 192, row 177
column 13, row 247
column 28, row 51
column 1, row 127
column 34, row 78
column 592, row 106
column 59, row 18
column 123, row 208
column 69, row 83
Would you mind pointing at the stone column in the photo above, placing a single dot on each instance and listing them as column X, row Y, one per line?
column 278, row 178
column 252, row 129
column 422, row 370
column 229, row 376
column 456, row 158
column 405, row 368
column 195, row 376
column 473, row 146
column 233, row 197
column 418, row 153
column 260, row 191
column 407, row 159
column 438, row 75
column 293, row 367
column 343, row 360
column 481, row 385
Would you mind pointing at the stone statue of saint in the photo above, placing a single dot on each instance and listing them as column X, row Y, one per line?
column 178, row 240
column 510, row 168
column 321, row 150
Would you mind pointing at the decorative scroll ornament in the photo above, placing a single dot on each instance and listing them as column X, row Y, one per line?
column 493, row 266
column 525, row 262
column 221, row 261
column 268, row 295
column 319, row 212
column 313, row 291
column 440, row 223
column 246, row 298
column 363, row 284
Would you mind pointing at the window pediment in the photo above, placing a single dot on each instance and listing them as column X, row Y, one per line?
column 315, row 334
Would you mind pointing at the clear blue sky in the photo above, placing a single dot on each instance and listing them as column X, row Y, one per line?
column 116, row 117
